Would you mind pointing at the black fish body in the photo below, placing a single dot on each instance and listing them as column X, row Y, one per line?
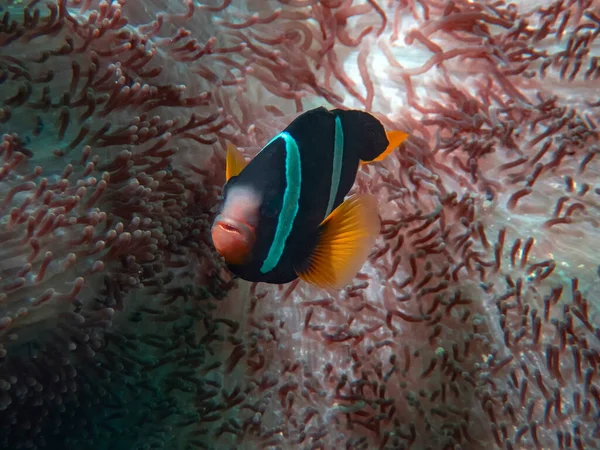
column 290, row 188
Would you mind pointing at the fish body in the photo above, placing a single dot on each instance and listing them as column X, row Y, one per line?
column 284, row 213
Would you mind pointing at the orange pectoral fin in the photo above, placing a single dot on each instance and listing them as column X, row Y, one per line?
column 235, row 162
column 395, row 138
column 347, row 237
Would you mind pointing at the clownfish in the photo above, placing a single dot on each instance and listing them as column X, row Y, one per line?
column 284, row 214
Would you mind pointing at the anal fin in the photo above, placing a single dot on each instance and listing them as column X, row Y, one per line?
column 395, row 138
column 346, row 238
column 234, row 161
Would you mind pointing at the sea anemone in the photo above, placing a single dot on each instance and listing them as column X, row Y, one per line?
column 101, row 226
column 474, row 323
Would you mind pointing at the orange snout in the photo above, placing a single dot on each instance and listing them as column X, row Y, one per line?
column 233, row 239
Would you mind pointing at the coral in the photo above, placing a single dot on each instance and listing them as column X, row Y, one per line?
column 473, row 325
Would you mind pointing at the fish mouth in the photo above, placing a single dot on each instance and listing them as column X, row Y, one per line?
column 228, row 227
column 232, row 239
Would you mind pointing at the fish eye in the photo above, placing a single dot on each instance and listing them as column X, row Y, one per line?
column 271, row 206
column 270, row 210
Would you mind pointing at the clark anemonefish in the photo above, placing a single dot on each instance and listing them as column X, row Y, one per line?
column 284, row 214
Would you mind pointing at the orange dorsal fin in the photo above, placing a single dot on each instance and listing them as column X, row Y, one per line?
column 346, row 239
column 234, row 161
column 395, row 138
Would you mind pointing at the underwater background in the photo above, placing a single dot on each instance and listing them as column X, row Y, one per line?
column 473, row 325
